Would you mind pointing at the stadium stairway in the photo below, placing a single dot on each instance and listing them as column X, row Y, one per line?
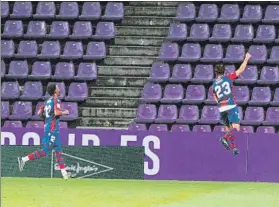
column 113, row 98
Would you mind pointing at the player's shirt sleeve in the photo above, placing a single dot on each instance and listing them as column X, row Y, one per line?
column 232, row 76
column 57, row 105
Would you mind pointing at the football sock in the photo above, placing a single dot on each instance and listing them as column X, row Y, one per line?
column 229, row 137
column 35, row 155
column 60, row 160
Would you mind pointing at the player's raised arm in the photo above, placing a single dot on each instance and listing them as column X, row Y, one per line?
column 243, row 65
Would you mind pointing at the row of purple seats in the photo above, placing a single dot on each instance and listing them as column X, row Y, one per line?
column 191, row 52
column 147, row 113
column 59, row 30
column 34, row 91
column 222, row 33
column 31, row 124
column 203, row 73
column 23, row 111
column 67, row 10
column 229, row 13
column 52, row 50
column 196, row 128
column 41, row 70
column 196, row 94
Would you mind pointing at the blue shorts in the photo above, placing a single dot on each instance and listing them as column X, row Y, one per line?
column 230, row 117
column 51, row 141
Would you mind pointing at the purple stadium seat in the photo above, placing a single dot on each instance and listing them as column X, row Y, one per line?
column 221, row 33
column 181, row 73
column 13, row 29
column 5, row 109
column 36, row 116
column 201, row 128
column 265, row 34
column 167, row 114
column 199, row 32
column 105, row 31
column 21, row 111
column 32, row 91
column 275, row 101
column 188, row 114
column 207, row 13
column 35, row 124
column 186, row 11
column 18, row 70
column 177, row 32
column 252, row 14
column 243, row 33
column 5, row 10
column 274, row 55
column 95, row 51
column 191, row 52
column 68, row 10
column 72, row 50
column 82, row 30
column 146, row 113
column 229, row 13
column 173, row 93
column 247, row 129
column 195, row 94
column 180, row 128
column 77, row 92
column 7, row 48
column 210, row 115
column 272, row 116
column 22, row 10
column 265, row 129
column 86, row 72
column 219, row 129
column 50, row 50
column 210, row 98
column 36, row 29
column 63, row 125
column 72, row 107
column 253, row 116
column 234, row 54
column 45, row 10
column 27, row 49
column 3, row 68
column 203, row 74
column 260, row 96
column 114, row 11
column 12, row 124
column 271, row 14
column 212, row 53
column 249, row 76
column 242, row 95
column 64, row 71
column 160, row 72
column 61, row 86
column 10, row 90
column 59, row 30
column 40, row 70
column 158, row 128
column 91, row 11
column 258, row 53
column 137, row 127
column 169, row 51
column 151, row 93
column 269, row 75
column 229, row 69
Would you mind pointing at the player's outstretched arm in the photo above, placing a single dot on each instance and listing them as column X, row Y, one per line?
column 243, row 65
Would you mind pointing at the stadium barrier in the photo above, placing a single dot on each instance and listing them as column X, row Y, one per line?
column 177, row 156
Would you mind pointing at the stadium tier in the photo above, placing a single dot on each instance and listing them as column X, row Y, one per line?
column 101, row 54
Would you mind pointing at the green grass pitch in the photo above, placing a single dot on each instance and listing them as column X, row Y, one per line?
column 31, row 192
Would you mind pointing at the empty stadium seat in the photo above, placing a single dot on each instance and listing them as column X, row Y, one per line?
column 146, row 113
column 203, row 74
column 275, row 101
column 95, row 51
column 160, row 72
column 21, row 111
column 274, row 55
column 13, row 29
column 5, row 109
column 22, row 10
column 243, row 33
column 271, row 14
column 201, row 128
column 195, row 94
column 265, row 34
column 169, row 52
column 72, row 50
column 199, row 32
column 137, row 127
column 36, row 29
column 229, row 13
column 167, row 114
column 68, row 10
column 212, row 53
column 27, row 49
column 252, row 14
column 59, row 30
column 221, row 33
column 40, row 70
column 64, row 71
column 210, row 115
column 180, row 128
column 173, row 93
column 90, row 11
column 210, row 98
column 247, row 129
column 18, row 70
column 269, row 75
column 249, row 76
column 12, row 124
column 105, row 31
column 188, row 114
column 234, row 54
column 260, row 96
column 272, row 116
column 72, row 107
column 34, row 124
column 158, row 128
column 50, row 50
column 253, row 116
column 177, row 32
column 45, row 10
column 7, row 48
column 181, row 73
column 86, row 72
column 32, row 91
column 77, row 92
column 82, row 30
column 258, row 53
column 151, row 93
column 207, row 13
column 242, row 94
column 186, row 11
column 266, row 129
column 191, row 52
column 5, row 10
column 114, row 11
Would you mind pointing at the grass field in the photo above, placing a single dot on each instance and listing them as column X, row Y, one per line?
column 21, row 192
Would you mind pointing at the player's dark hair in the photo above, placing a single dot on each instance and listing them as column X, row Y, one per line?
column 220, row 69
column 51, row 88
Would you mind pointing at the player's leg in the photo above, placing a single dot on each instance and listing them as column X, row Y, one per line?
column 225, row 122
column 234, row 120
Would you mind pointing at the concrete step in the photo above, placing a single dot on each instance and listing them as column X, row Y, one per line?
column 133, row 50
column 110, row 102
column 129, row 60
column 104, row 122
column 124, row 71
column 126, row 92
column 154, row 3
column 111, row 81
column 169, row 11
column 108, row 113
column 139, row 41
column 141, row 31
column 147, row 21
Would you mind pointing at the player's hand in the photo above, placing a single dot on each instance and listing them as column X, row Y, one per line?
column 65, row 112
column 248, row 56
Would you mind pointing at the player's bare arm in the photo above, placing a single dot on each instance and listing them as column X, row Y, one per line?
column 243, row 65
